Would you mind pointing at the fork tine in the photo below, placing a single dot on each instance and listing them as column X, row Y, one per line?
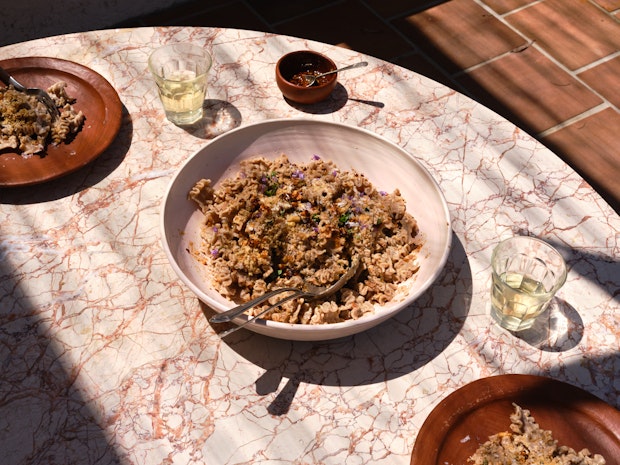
column 47, row 101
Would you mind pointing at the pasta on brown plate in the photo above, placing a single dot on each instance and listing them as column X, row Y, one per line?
column 26, row 125
column 528, row 444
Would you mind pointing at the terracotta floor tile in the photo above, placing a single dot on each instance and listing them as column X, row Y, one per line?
column 574, row 32
column 364, row 32
column 605, row 79
column 459, row 34
column 609, row 5
column 590, row 146
column 531, row 88
column 504, row 6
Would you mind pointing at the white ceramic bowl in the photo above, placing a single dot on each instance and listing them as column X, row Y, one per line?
column 385, row 164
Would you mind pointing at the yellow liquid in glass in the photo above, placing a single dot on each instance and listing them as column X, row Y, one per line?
column 517, row 299
column 182, row 94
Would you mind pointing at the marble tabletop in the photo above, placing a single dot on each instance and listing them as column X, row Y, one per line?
column 106, row 358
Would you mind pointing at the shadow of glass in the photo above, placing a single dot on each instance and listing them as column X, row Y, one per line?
column 399, row 346
column 218, row 118
column 558, row 329
column 79, row 180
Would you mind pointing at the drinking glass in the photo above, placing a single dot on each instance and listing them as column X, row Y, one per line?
column 527, row 272
column 180, row 71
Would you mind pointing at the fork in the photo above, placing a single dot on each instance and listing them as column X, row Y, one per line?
column 308, row 291
column 40, row 94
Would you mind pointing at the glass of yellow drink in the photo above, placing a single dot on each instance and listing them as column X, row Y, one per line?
column 180, row 71
column 527, row 272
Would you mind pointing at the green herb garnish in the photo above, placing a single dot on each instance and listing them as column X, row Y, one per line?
column 271, row 189
column 271, row 184
column 344, row 218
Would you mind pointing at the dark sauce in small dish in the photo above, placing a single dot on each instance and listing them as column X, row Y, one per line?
column 299, row 80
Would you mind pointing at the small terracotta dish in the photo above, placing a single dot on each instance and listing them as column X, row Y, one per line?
column 305, row 61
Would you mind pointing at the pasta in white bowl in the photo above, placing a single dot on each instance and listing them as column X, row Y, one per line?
column 386, row 169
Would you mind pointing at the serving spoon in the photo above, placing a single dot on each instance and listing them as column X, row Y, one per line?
column 40, row 94
column 308, row 292
column 310, row 79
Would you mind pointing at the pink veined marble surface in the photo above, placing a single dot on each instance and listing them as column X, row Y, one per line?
column 106, row 358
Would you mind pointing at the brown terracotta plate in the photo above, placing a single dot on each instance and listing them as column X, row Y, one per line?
column 95, row 97
column 467, row 417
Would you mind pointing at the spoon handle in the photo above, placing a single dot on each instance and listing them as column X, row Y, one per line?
column 228, row 315
column 353, row 66
column 10, row 80
column 263, row 312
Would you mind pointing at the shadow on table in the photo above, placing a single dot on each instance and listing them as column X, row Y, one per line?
column 335, row 102
column 85, row 177
column 218, row 118
column 399, row 346
column 44, row 418
column 558, row 329
column 599, row 375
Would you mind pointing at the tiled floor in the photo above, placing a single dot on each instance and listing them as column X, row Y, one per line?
column 550, row 66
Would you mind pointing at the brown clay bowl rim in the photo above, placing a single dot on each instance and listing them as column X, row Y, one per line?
column 468, row 416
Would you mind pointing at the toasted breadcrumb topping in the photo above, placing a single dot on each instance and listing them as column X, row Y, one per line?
column 527, row 444
column 280, row 224
column 26, row 125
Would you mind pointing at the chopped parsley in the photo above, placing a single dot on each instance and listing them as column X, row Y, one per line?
column 271, row 184
column 344, row 219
